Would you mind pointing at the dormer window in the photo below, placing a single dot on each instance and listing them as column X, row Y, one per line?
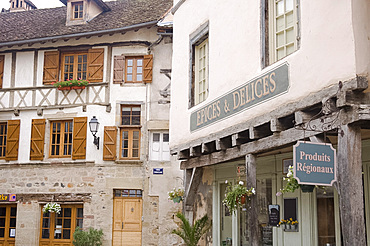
column 78, row 9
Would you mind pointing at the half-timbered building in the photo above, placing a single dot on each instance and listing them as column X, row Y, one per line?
column 100, row 149
column 249, row 80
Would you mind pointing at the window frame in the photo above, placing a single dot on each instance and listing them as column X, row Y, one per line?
column 131, row 129
column 3, row 143
column 79, row 11
column 52, row 223
column 62, row 134
column 161, row 143
column 134, row 69
column 197, row 38
column 75, row 65
column 8, row 216
column 269, row 47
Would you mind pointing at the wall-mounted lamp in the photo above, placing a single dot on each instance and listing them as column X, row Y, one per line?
column 94, row 126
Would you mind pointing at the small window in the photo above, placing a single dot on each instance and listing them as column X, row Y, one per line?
column 77, row 9
column 134, row 69
column 3, row 135
column 61, row 138
column 130, row 134
column 128, row 193
column 160, row 150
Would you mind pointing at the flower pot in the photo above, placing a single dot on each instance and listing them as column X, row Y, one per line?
column 307, row 188
column 177, row 199
column 64, row 88
column 78, row 87
column 288, row 227
column 243, row 198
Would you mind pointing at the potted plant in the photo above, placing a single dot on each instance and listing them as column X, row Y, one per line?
column 176, row 195
column 236, row 194
column 292, row 184
column 71, row 84
column 289, row 224
column 191, row 234
column 51, row 207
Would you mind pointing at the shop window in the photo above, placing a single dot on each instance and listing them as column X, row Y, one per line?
column 59, row 228
column 86, row 65
column 199, row 65
column 281, row 34
column 77, row 9
column 8, row 220
column 130, row 134
column 159, row 150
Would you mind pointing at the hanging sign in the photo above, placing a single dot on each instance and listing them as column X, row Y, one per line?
column 314, row 163
column 258, row 90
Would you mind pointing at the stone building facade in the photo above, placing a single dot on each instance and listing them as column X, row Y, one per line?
column 115, row 179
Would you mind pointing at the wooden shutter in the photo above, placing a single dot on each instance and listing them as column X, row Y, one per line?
column 51, row 67
column 95, row 60
column 79, row 138
column 110, row 140
column 2, row 58
column 12, row 141
column 148, row 68
column 37, row 139
column 118, row 69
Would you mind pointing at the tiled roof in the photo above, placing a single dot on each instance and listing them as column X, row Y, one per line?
column 41, row 23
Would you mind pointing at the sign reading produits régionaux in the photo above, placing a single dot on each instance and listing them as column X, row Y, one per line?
column 314, row 163
column 255, row 91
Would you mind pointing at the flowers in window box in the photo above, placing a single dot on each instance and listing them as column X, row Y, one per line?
column 288, row 224
column 71, row 83
column 176, row 195
column 51, row 207
column 236, row 195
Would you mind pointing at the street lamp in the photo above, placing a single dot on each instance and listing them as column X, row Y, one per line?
column 94, row 126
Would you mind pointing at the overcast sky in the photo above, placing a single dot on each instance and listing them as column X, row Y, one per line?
column 40, row 4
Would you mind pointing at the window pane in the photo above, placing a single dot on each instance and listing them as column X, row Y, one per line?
column 67, row 223
column 135, row 144
column 45, row 233
column 156, row 137
column 2, row 222
column 45, row 222
column 67, row 212
column 80, row 212
column 135, row 153
column 130, row 62
column 129, row 77
column 139, row 77
column 124, row 153
column 2, row 211
column 117, row 193
column 139, row 62
column 125, row 193
column 13, row 211
column 12, row 222
column 80, row 223
column 132, row 193
column 166, row 137
column 289, row 5
column 280, row 7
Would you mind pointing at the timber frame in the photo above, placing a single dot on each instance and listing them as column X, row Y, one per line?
column 278, row 128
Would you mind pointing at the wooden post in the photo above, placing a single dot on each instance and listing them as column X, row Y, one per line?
column 351, row 198
column 251, row 170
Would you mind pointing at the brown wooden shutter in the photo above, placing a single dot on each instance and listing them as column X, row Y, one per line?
column 12, row 142
column 37, row 139
column 2, row 58
column 79, row 138
column 118, row 69
column 148, row 68
column 110, row 140
column 95, row 61
column 51, row 67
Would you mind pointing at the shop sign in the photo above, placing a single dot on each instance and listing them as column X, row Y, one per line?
column 314, row 163
column 8, row 197
column 251, row 93
column 274, row 215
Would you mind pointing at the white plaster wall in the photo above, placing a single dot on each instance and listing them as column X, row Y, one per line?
column 326, row 55
column 24, row 69
column 7, row 70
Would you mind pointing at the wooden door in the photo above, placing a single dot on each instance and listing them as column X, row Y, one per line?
column 8, row 214
column 127, row 213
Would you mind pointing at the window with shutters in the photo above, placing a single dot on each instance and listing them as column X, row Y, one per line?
column 281, row 29
column 74, row 66
column 134, row 69
column 130, row 134
column 199, row 65
column 2, row 59
column 3, row 133
column 159, row 146
column 57, row 229
column 86, row 65
column 61, row 138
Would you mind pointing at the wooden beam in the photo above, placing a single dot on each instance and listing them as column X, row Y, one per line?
column 183, row 154
column 251, row 171
column 351, row 197
column 195, row 151
column 192, row 185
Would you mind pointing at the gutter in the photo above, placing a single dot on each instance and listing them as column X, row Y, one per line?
column 177, row 6
column 76, row 35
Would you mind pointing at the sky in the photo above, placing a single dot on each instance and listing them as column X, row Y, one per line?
column 40, row 4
